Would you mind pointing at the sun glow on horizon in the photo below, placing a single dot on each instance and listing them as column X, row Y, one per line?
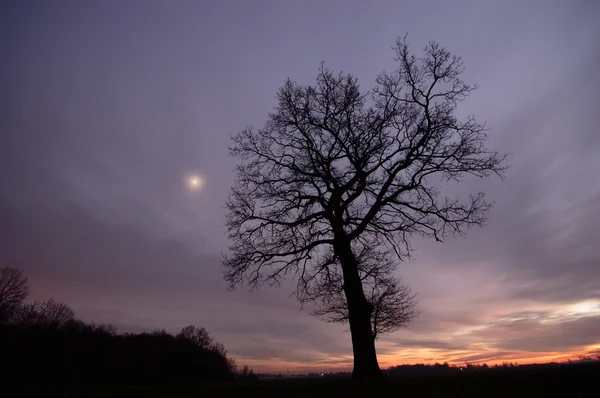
column 429, row 356
column 476, row 344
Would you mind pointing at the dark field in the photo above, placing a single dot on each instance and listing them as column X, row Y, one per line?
column 581, row 380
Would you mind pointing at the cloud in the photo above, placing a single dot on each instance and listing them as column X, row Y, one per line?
column 510, row 336
column 426, row 343
column 536, row 334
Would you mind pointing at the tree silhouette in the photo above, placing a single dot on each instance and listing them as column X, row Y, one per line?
column 392, row 302
column 246, row 374
column 198, row 336
column 335, row 172
column 44, row 313
column 13, row 291
column 43, row 343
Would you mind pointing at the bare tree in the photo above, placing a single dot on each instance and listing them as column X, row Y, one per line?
column 14, row 288
column 393, row 305
column 218, row 348
column 336, row 171
column 56, row 314
column 44, row 313
column 198, row 336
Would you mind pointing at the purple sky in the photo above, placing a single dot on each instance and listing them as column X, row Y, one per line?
column 107, row 105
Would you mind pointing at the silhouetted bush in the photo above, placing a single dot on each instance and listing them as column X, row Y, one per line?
column 77, row 353
column 43, row 343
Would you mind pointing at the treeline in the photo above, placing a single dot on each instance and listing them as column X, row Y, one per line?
column 438, row 368
column 44, row 343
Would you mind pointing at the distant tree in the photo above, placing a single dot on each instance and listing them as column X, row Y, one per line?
column 198, row 336
column 77, row 325
column 218, row 348
column 336, row 171
column 231, row 365
column 244, row 372
column 160, row 333
column 252, row 376
column 14, row 288
column 247, row 374
column 47, row 313
column 105, row 329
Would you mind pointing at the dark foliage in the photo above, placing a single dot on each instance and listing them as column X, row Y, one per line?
column 86, row 354
column 198, row 336
column 43, row 343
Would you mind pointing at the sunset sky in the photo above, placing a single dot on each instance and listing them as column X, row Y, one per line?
column 110, row 108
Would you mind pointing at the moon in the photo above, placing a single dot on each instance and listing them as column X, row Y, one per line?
column 194, row 182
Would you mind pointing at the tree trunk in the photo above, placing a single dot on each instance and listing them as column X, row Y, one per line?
column 366, row 366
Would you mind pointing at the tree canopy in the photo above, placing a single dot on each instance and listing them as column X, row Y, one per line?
column 334, row 186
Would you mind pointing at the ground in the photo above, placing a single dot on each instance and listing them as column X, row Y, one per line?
column 563, row 381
